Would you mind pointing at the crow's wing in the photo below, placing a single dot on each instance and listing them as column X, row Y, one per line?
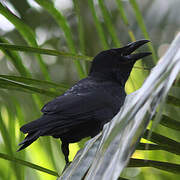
column 73, row 108
column 78, row 104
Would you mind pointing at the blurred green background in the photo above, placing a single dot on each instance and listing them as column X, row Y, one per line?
column 83, row 27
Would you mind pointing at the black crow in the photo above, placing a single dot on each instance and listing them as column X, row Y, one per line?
column 83, row 110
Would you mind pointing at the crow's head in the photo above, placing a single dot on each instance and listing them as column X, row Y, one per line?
column 117, row 63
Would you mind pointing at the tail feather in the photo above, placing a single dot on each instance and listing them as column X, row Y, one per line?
column 43, row 122
column 44, row 126
column 29, row 139
column 35, row 129
column 32, row 126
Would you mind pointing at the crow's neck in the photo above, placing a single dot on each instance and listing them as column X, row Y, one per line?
column 119, row 77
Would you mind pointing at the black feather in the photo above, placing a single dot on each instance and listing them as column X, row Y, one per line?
column 83, row 110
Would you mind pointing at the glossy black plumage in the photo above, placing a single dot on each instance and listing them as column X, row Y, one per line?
column 83, row 110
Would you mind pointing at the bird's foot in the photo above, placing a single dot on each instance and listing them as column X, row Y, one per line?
column 66, row 166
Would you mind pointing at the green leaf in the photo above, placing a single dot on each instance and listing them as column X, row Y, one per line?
column 170, row 167
column 171, row 145
column 99, row 28
column 170, row 123
column 60, row 19
column 50, row 52
column 7, row 142
column 177, row 82
column 109, row 24
column 125, row 19
column 173, row 100
column 140, row 20
column 36, row 82
column 13, row 85
column 81, row 32
column 28, row 164
column 26, row 32
column 42, row 51
column 15, row 58
column 5, row 136
column 80, row 26
column 120, row 178
column 147, row 147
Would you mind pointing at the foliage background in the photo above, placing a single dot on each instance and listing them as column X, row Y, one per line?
column 78, row 27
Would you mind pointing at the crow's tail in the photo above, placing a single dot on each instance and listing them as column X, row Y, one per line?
column 46, row 125
column 29, row 139
column 34, row 131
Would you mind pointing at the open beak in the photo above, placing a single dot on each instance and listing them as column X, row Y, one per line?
column 127, row 50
